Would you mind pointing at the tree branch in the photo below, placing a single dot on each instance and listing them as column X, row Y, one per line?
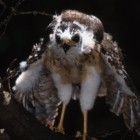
column 5, row 22
column 32, row 13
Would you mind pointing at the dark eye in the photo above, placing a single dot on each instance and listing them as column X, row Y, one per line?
column 75, row 38
column 58, row 39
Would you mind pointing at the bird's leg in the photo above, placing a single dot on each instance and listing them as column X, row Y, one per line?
column 89, row 89
column 78, row 134
column 85, row 125
column 60, row 124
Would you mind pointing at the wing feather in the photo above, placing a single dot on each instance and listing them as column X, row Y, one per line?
column 40, row 98
column 121, row 93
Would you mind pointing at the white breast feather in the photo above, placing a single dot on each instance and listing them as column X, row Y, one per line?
column 89, row 89
column 64, row 90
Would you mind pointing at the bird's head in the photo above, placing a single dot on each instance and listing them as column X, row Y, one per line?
column 75, row 32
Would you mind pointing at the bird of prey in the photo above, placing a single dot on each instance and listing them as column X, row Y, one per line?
column 80, row 61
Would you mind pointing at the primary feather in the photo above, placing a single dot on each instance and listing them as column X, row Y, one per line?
column 120, row 90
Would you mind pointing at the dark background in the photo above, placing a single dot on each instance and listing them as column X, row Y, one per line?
column 120, row 18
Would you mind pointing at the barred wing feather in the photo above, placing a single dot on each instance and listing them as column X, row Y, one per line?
column 36, row 91
column 121, row 94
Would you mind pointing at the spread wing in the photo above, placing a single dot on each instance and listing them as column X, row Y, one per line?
column 121, row 94
column 34, row 88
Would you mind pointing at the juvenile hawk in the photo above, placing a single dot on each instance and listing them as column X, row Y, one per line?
column 80, row 61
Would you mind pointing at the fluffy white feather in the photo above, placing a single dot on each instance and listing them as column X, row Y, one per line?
column 23, row 65
column 64, row 90
column 89, row 89
column 88, row 42
column 27, row 80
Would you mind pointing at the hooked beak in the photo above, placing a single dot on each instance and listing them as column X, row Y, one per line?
column 66, row 47
column 66, row 44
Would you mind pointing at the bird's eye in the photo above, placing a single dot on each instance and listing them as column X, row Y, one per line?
column 58, row 39
column 75, row 38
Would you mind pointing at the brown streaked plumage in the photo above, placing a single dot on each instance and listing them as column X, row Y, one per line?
column 41, row 99
column 83, row 62
column 122, row 101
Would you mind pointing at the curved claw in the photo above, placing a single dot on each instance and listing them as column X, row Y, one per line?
column 59, row 129
column 78, row 134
